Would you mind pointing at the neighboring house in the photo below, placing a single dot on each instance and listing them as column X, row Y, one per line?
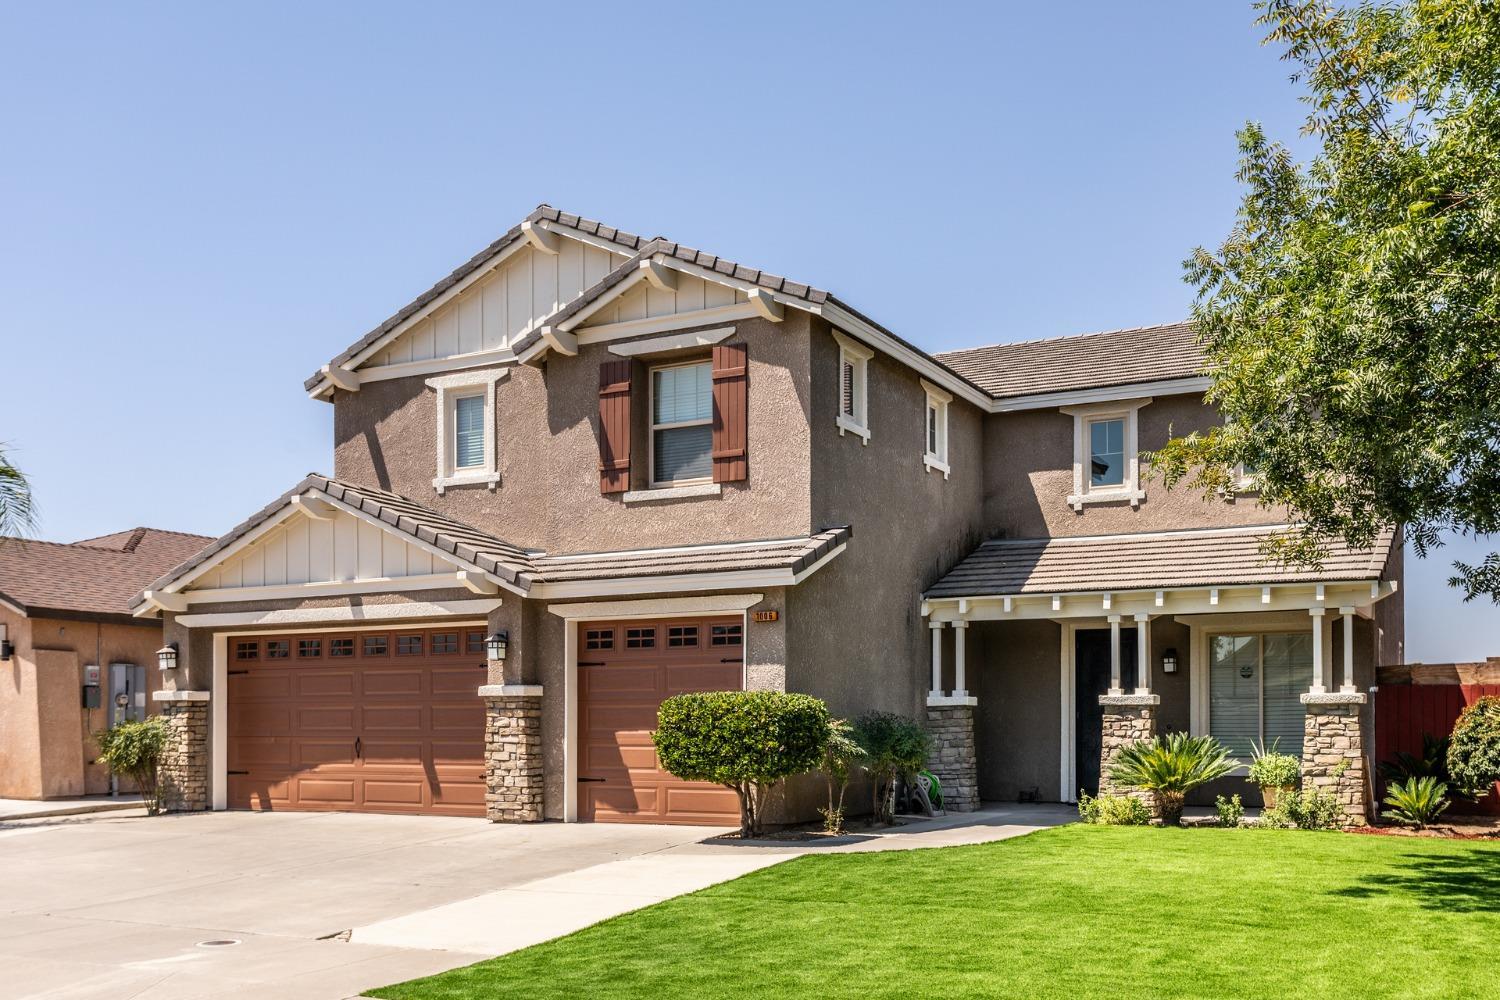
column 70, row 649
column 587, row 470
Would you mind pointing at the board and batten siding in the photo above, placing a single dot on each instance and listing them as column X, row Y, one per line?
column 337, row 550
column 502, row 307
column 645, row 301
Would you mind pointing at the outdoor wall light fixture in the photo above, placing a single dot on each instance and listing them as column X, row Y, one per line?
column 166, row 657
column 1169, row 661
column 6, row 649
column 496, row 644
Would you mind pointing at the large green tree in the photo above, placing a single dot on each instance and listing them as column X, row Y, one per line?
column 17, row 514
column 1352, row 317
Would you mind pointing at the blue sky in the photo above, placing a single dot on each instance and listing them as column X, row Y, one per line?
column 199, row 205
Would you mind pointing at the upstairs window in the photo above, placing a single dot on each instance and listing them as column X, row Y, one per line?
column 1106, row 463
column 853, row 386
column 935, row 457
column 682, row 416
column 466, row 452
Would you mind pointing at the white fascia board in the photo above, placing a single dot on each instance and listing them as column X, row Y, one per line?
column 660, row 607
column 6, row 603
column 679, row 583
column 239, row 545
column 361, row 613
column 622, row 286
column 331, row 588
column 674, row 342
column 438, row 366
column 662, row 324
column 1236, row 598
column 1106, row 394
column 909, row 356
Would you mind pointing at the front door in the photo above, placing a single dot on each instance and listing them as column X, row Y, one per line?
column 1091, row 679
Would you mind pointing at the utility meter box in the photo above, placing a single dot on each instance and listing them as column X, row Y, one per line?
column 91, row 695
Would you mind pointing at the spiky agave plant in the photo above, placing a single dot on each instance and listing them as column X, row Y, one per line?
column 1169, row 767
column 1416, row 801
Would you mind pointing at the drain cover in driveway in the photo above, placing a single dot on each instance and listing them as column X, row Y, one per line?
column 221, row 943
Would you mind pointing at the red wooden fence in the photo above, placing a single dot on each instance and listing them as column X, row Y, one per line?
column 1403, row 712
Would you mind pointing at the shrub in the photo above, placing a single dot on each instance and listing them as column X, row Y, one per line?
column 1315, row 809
column 134, row 750
column 1416, row 801
column 1112, row 810
column 895, row 747
column 840, row 756
column 744, row 740
column 1474, row 747
column 1273, row 771
column 1231, row 810
column 1169, row 767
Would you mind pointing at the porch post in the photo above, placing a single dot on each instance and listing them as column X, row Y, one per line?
column 1348, row 686
column 1142, row 654
column 960, row 634
column 1317, row 632
column 937, row 659
column 1114, row 656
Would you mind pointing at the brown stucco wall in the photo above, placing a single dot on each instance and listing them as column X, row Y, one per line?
column 855, row 633
column 47, row 749
column 547, row 433
column 1029, row 475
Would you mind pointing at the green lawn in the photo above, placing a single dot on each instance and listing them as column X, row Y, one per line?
column 1075, row 911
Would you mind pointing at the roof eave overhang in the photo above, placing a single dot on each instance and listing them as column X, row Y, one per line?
column 1358, row 595
column 779, row 576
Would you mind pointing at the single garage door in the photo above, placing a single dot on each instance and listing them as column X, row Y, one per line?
column 385, row 722
column 625, row 670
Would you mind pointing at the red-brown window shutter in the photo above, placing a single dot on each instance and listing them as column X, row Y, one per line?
column 614, row 426
column 730, row 373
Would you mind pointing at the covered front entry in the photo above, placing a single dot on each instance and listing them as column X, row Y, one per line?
column 625, row 670
column 374, row 721
column 1091, row 660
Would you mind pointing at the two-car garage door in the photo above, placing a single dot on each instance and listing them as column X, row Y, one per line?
column 385, row 722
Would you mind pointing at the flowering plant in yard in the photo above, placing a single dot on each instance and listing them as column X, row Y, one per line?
column 1169, row 767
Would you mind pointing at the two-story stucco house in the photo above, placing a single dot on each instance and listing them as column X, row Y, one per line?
column 588, row 470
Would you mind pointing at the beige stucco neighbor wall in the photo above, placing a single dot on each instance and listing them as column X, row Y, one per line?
column 46, row 736
column 855, row 633
column 547, row 433
column 1029, row 475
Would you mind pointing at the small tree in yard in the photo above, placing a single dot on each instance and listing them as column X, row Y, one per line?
column 895, row 747
column 1474, row 747
column 744, row 740
column 840, row 757
column 134, row 750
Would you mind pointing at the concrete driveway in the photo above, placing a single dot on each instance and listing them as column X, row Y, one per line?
column 124, row 906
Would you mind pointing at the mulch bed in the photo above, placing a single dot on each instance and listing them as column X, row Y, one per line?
column 1457, row 828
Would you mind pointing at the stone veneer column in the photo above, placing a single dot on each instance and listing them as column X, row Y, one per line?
column 1333, row 751
column 1128, row 718
column 513, row 752
column 183, row 772
column 950, row 721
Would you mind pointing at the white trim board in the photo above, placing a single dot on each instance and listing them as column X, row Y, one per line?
column 661, row 608
column 778, row 577
column 373, row 613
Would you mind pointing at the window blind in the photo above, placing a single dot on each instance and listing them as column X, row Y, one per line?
column 1234, row 692
column 468, row 432
column 1288, row 664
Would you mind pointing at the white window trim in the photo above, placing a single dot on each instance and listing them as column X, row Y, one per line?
column 1200, row 672
column 651, row 480
column 937, row 400
column 857, row 356
column 449, row 389
column 1123, row 409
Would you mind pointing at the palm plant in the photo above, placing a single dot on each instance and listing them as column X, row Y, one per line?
column 1169, row 767
column 1416, row 801
column 17, row 515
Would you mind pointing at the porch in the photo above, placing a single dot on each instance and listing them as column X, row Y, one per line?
column 1052, row 654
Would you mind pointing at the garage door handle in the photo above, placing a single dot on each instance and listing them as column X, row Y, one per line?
column 358, row 752
column 733, row 659
column 590, row 779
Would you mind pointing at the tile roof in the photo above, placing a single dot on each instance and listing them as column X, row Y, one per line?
column 518, row 566
column 98, row 576
column 627, row 242
column 1145, row 561
column 793, row 554
column 1081, row 361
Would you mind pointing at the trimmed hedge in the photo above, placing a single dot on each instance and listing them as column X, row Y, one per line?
column 744, row 740
column 1474, row 747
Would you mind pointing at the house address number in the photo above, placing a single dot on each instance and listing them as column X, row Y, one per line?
column 764, row 616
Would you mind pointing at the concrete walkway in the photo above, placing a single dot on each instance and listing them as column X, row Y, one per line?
column 13, row 809
column 511, row 919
